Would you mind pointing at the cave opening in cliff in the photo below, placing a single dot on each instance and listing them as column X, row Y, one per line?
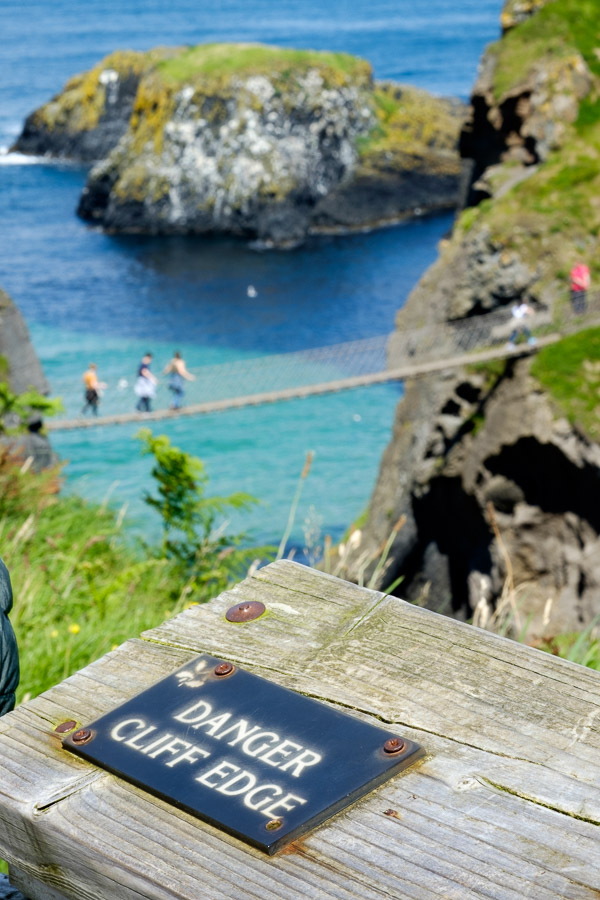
column 549, row 480
column 454, row 541
column 487, row 144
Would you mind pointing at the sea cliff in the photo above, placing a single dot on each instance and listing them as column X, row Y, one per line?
column 264, row 142
column 21, row 370
column 19, row 364
column 490, row 473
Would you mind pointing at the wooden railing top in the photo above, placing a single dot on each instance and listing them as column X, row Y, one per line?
column 506, row 803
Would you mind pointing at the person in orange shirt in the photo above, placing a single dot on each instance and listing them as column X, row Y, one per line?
column 92, row 388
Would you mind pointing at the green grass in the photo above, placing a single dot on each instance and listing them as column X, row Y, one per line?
column 570, row 371
column 582, row 647
column 83, row 586
column 80, row 587
column 226, row 60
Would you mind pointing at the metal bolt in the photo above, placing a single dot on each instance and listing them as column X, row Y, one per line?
column 245, row 612
column 224, row 668
column 274, row 824
column 82, row 736
column 65, row 726
column 394, row 745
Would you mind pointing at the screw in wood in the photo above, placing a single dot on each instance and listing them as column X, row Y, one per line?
column 394, row 745
column 82, row 736
column 274, row 824
column 224, row 668
column 245, row 612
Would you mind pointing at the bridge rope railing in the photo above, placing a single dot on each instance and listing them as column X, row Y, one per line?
column 454, row 337
column 344, row 365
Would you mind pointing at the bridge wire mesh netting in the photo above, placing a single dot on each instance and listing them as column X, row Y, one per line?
column 288, row 370
column 304, row 371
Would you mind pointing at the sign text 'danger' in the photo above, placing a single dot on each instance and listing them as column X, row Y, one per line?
column 242, row 753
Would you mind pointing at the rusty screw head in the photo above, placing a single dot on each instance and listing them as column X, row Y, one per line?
column 65, row 726
column 224, row 668
column 274, row 824
column 394, row 745
column 245, row 612
column 82, row 736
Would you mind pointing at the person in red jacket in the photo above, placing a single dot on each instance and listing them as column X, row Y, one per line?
column 580, row 282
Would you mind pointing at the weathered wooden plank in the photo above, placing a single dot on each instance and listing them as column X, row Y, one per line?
column 506, row 804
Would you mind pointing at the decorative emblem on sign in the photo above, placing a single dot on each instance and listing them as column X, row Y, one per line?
column 194, row 677
column 243, row 754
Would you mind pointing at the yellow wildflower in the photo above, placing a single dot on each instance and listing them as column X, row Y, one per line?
column 74, row 628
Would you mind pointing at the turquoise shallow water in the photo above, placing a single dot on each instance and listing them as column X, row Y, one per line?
column 88, row 296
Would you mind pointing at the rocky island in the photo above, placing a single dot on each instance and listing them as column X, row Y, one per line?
column 491, row 473
column 264, row 142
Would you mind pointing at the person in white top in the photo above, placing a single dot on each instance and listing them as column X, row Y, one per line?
column 520, row 311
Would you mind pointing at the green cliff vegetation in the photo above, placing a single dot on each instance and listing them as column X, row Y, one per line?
column 20, row 407
column 553, row 216
column 570, row 371
column 221, row 62
column 556, row 33
column 412, row 124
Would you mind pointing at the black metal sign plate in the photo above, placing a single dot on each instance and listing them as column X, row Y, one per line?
column 257, row 760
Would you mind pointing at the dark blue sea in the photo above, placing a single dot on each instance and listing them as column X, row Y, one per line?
column 90, row 297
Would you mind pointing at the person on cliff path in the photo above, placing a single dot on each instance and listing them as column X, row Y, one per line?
column 177, row 373
column 145, row 384
column 92, row 389
column 580, row 282
column 520, row 311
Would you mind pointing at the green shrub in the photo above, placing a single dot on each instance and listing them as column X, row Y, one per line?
column 82, row 585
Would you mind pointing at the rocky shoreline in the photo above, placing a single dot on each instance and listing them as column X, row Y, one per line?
column 268, row 144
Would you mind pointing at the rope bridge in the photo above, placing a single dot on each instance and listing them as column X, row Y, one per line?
column 377, row 360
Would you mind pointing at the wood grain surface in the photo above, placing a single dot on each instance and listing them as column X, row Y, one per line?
column 506, row 803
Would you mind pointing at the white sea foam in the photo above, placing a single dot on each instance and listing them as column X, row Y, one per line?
column 19, row 159
column 23, row 159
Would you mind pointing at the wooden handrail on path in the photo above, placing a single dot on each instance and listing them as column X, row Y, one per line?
column 504, row 804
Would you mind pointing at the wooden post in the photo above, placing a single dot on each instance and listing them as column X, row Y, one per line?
column 506, row 803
